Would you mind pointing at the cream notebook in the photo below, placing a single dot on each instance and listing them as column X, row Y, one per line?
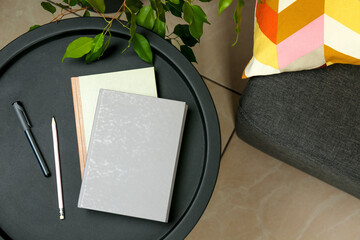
column 85, row 90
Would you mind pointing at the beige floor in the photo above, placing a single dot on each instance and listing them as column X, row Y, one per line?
column 256, row 196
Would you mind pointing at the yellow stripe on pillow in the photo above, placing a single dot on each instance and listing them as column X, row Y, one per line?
column 264, row 49
column 347, row 12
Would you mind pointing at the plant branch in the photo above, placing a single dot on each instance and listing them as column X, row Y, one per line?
column 115, row 16
column 53, row 3
column 122, row 24
column 67, row 12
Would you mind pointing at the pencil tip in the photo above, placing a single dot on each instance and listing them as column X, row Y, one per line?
column 62, row 215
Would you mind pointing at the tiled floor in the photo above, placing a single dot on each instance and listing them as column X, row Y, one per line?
column 256, row 196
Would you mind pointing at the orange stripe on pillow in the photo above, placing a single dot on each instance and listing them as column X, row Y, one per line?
column 267, row 19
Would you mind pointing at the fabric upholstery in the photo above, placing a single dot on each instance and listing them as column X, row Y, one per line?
column 308, row 119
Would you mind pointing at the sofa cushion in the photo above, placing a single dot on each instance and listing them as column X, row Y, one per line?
column 304, row 34
column 308, row 119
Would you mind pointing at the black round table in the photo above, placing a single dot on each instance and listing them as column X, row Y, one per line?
column 31, row 71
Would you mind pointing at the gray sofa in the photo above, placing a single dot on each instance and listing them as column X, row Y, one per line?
column 308, row 119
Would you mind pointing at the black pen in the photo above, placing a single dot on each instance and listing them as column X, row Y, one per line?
column 25, row 123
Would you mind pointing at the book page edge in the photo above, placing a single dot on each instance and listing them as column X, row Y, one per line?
column 79, row 121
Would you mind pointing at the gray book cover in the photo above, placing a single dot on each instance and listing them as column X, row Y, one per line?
column 133, row 153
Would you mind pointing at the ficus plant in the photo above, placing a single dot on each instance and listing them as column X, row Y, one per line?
column 151, row 16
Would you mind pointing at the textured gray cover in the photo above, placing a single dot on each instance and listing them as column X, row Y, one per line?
column 132, row 158
column 308, row 119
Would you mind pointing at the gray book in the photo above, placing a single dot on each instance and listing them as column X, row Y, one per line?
column 133, row 154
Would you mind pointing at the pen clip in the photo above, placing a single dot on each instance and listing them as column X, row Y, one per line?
column 20, row 108
column 26, row 119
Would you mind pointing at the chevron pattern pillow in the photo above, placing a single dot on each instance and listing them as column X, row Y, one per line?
column 294, row 35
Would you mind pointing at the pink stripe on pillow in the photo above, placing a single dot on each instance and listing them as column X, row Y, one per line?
column 301, row 43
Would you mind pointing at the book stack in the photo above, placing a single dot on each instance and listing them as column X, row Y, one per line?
column 86, row 89
column 129, row 143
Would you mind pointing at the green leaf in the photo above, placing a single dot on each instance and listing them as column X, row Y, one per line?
column 188, row 13
column 83, row 3
column 132, row 27
column 160, row 11
column 196, row 29
column 199, row 14
column 99, row 5
column 175, row 9
column 188, row 53
column 165, row 7
column 62, row 6
column 153, row 4
column 142, row 48
column 158, row 8
column 86, row 13
column 98, row 42
column 48, row 7
column 159, row 28
column 237, row 19
column 133, row 5
column 223, row 4
column 33, row 27
column 93, row 56
column 237, row 15
column 175, row 1
column 72, row 2
column 78, row 48
column 236, row 40
column 146, row 17
column 183, row 32
column 128, row 16
column 103, row 49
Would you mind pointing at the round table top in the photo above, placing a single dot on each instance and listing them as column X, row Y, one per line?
column 31, row 71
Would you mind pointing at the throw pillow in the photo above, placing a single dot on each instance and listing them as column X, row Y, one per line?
column 294, row 35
